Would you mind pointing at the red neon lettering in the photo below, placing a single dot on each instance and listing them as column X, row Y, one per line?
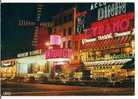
column 116, row 25
column 94, row 29
column 101, row 28
column 59, row 53
column 124, row 25
column 108, row 29
column 130, row 16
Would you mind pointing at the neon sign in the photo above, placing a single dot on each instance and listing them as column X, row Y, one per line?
column 116, row 24
column 113, row 25
column 97, row 5
column 122, row 34
column 107, row 10
column 58, row 53
column 80, row 24
column 88, row 40
column 7, row 63
column 107, row 36
column 31, row 53
column 55, row 40
column 111, row 10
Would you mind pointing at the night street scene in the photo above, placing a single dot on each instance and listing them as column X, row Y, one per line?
column 67, row 49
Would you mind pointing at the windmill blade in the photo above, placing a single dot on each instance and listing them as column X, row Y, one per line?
column 39, row 13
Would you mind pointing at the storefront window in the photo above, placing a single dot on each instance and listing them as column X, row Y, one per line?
column 127, row 50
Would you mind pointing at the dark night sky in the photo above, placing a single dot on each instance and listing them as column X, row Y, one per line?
column 16, row 39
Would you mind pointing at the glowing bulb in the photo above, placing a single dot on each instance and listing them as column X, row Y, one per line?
column 47, row 43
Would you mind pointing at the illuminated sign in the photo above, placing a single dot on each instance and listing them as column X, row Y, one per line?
column 111, row 10
column 55, row 40
column 107, row 10
column 23, row 54
column 36, row 52
column 31, row 53
column 7, row 63
column 100, row 11
column 113, row 25
column 107, row 36
column 122, row 34
column 58, row 53
column 88, row 40
column 80, row 24
column 97, row 5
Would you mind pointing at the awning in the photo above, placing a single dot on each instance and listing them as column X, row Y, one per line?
column 111, row 62
column 74, row 64
column 104, row 44
column 125, row 39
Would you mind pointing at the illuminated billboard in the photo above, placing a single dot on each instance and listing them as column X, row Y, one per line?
column 58, row 53
column 55, row 40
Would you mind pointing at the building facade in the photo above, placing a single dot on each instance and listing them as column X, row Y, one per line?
column 65, row 26
column 107, row 44
column 33, row 64
column 8, row 69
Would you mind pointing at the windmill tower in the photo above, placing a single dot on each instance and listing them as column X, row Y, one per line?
column 40, row 34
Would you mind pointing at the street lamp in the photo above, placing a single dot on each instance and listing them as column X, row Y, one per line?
column 47, row 44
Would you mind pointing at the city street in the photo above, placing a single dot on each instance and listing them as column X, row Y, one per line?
column 34, row 89
column 68, row 49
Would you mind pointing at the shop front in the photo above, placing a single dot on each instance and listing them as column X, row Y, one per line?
column 107, row 57
column 110, row 69
column 107, row 45
column 60, row 59
column 32, row 64
column 8, row 69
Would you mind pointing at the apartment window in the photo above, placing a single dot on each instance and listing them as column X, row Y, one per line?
column 76, row 45
column 64, row 44
column 75, row 57
column 64, row 32
column 55, row 22
column 55, row 30
column 61, row 20
column 68, row 18
column 49, row 30
column 72, row 44
column 69, row 44
column 69, row 31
